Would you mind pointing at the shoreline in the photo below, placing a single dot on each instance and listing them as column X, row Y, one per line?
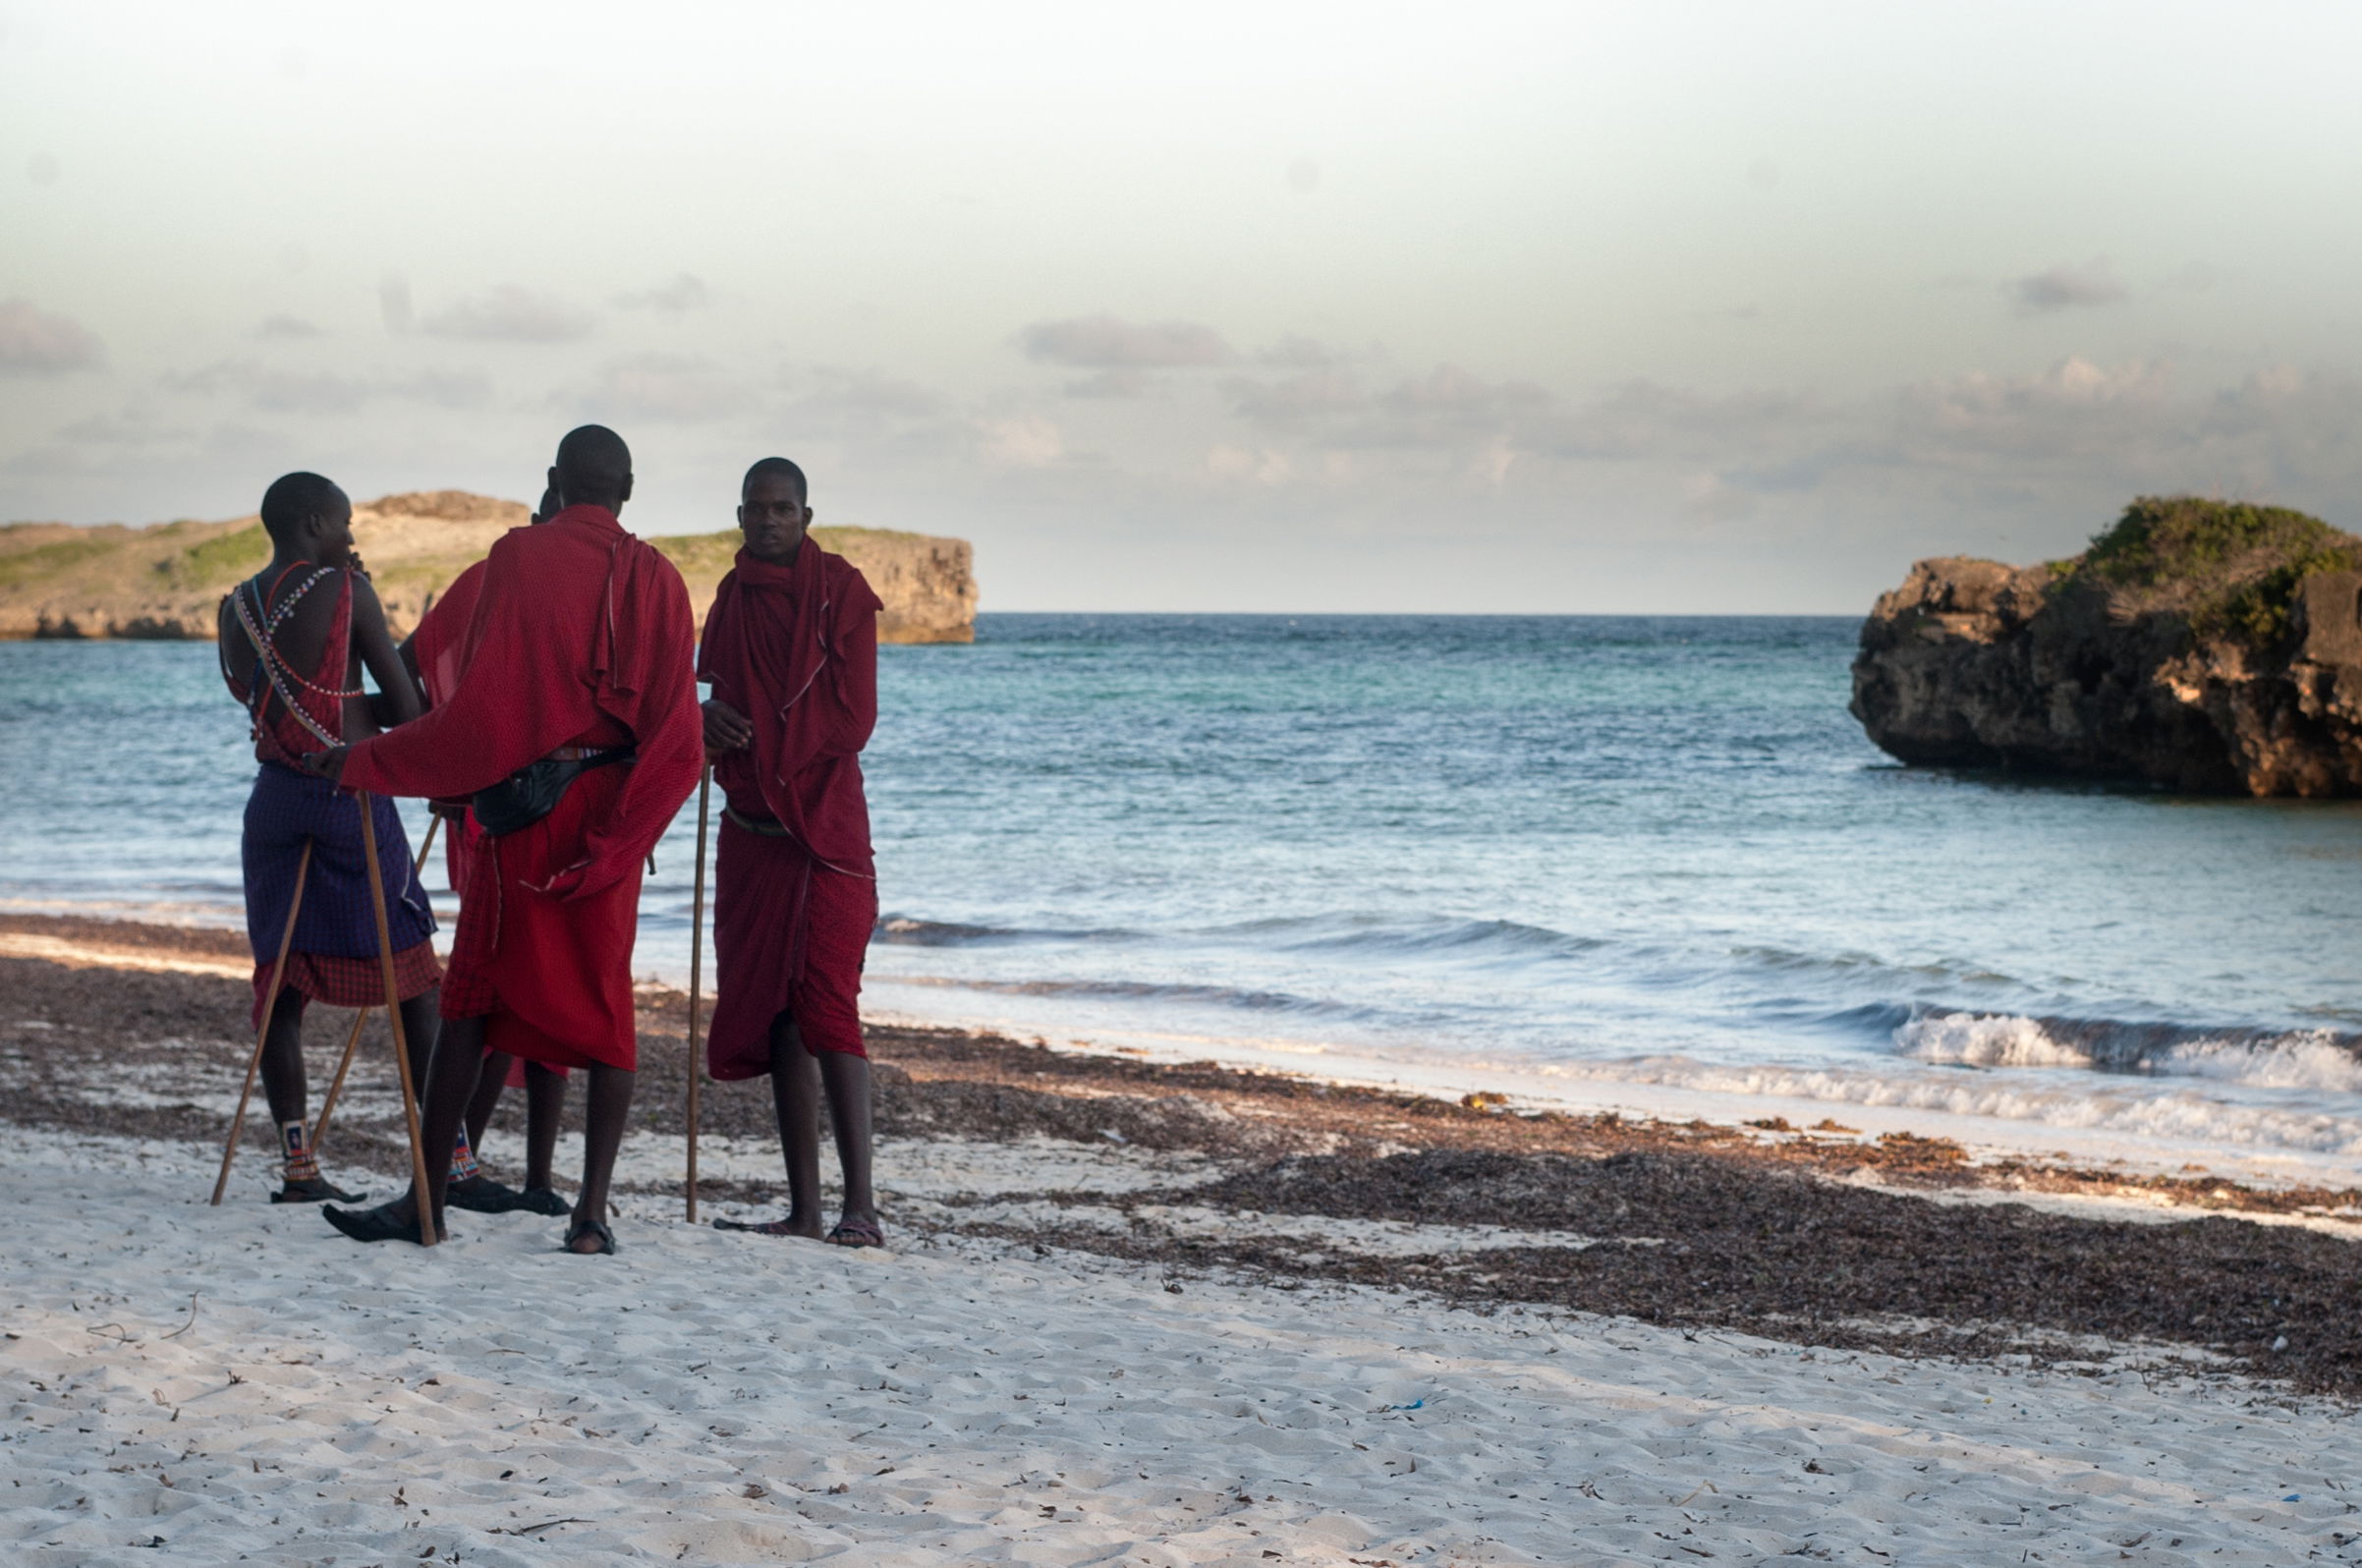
column 2182, row 1168
column 1257, row 1143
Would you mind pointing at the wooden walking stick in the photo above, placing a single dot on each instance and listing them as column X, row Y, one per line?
column 270, row 1004
column 697, row 957
column 344, row 1063
column 393, row 1016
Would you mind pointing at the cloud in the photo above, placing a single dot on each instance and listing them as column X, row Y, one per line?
column 835, row 398
column 1448, row 408
column 1125, row 383
column 682, row 294
column 1024, row 442
column 1106, row 343
column 270, row 389
column 509, row 313
column 35, row 342
column 1450, row 390
column 2075, row 408
column 138, row 425
column 1249, row 465
column 1295, row 399
column 1297, row 353
column 1644, row 419
column 285, row 327
column 393, row 304
column 667, row 387
column 2067, row 288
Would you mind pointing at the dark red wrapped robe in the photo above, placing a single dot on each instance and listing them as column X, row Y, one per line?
column 580, row 635
column 435, row 647
column 794, row 649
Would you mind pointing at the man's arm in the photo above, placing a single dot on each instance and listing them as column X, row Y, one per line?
column 397, row 683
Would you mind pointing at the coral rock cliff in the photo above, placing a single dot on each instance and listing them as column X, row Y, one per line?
column 2203, row 646
column 166, row 580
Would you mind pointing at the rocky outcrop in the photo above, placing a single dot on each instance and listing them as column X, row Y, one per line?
column 928, row 582
column 2202, row 645
column 166, row 580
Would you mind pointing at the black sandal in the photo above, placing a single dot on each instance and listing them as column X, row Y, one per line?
column 483, row 1196
column 768, row 1227
column 316, row 1190
column 590, row 1227
column 371, row 1224
column 856, row 1233
column 543, row 1201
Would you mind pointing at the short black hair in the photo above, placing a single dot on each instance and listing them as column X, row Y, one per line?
column 779, row 465
column 594, row 466
column 294, row 498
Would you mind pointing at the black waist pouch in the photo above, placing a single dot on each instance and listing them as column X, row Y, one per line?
column 534, row 791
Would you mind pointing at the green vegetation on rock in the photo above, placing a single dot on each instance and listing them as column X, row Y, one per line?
column 226, row 557
column 2230, row 567
column 24, row 566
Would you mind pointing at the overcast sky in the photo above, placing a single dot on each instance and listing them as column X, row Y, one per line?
column 1272, row 306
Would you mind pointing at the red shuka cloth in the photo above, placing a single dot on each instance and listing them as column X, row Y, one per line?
column 794, row 649
column 581, row 635
column 435, row 647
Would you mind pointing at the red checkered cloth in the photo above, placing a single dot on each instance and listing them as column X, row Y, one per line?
column 351, row 982
column 468, row 991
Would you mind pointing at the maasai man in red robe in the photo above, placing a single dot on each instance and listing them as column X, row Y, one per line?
column 791, row 650
column 575, row 726
column 293, row 642
column 432, row 654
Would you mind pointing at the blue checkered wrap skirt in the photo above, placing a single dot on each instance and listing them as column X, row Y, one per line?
column 285, row 809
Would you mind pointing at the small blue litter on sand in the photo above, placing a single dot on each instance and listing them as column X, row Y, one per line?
column 1416, row 1403
column 2292, row 1497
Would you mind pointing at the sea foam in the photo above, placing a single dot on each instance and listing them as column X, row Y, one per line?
column 2300, row 1059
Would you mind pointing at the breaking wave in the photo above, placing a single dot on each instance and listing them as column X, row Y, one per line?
column 2300, row 1059
column 2148, row 1111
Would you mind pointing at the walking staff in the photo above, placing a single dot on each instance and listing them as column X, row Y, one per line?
column 344, row 1063
column 253, row 1063
column 393, row 1016
column 697, row 956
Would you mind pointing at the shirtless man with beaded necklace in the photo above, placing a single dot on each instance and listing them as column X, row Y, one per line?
column 293, row 643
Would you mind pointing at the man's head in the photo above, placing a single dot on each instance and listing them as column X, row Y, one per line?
column 550, row 507
column 594, row 468
column 308, row 518
column 771, row 509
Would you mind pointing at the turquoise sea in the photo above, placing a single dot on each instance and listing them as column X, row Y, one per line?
column 1652, row 850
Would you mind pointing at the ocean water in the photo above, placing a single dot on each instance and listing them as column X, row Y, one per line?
column 1650, row 850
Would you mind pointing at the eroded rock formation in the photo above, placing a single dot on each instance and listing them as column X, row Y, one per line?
column 165, row 580
column 2203, row 646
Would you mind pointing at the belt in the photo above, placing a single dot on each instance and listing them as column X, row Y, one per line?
column 766, row 827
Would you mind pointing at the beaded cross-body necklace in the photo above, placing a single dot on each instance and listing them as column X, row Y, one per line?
column 262, row 621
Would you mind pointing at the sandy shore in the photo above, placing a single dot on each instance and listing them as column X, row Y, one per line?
column 1134, row 1314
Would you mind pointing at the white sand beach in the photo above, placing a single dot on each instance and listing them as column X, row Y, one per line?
column 237, row 1384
